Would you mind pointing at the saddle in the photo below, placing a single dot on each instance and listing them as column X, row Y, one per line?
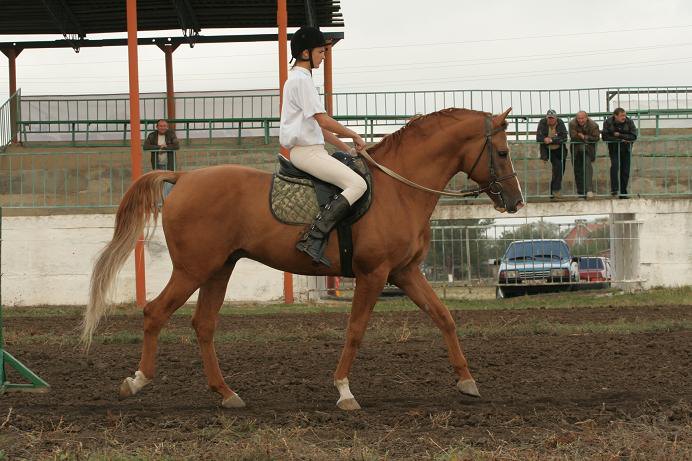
column 296, row 198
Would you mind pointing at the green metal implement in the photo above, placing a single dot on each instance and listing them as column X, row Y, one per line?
column 35, row 383
column 9, row 120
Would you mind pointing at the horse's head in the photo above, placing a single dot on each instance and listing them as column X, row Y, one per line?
column 491, row 167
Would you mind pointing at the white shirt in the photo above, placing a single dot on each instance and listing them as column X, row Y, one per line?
column 162, row 140
column 301, row 102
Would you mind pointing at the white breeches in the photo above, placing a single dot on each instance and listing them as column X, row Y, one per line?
column 316, row 161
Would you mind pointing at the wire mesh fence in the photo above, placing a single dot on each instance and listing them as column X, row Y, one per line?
column 84, row 178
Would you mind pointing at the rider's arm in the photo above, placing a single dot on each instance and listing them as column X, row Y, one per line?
column 329, row 124
column 332, row 139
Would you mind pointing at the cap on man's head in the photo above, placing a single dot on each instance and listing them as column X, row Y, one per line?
column 551, row 114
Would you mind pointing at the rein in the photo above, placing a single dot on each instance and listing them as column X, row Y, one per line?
column 494, row 180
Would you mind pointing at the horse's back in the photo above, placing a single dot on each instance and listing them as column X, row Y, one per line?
column 216, row 190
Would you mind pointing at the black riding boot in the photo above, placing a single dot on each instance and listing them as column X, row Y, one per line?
column 315, row 238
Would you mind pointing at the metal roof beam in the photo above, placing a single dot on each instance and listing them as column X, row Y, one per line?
column 66, row 21
column 310, row 14
column 159, row 41
column 188, row 20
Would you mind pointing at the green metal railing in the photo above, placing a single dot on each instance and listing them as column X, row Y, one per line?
column 523, row 102
column 104, row 114
column 81, row 131
column 81, row 179
column 10, row 114
column 371, row 126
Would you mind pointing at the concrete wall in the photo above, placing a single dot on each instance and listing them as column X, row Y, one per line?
column 47, row 260
column 651, row 238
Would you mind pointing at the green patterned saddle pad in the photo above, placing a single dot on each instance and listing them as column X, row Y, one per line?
column 296, row 197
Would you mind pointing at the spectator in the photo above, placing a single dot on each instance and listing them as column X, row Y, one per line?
column 552, row 135
column 584, row 134
column 619, row 131
column 162, row 143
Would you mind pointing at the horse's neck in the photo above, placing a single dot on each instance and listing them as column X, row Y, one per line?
column 427, row 163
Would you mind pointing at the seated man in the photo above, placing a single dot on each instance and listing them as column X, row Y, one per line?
column 552, row 135
column 162, row 143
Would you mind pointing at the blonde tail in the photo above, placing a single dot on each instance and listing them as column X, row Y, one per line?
column 138, row 206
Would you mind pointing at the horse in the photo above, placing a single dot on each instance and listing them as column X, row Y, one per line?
column 217, row 215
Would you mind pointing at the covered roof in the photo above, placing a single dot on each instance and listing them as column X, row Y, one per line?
column 78, row 18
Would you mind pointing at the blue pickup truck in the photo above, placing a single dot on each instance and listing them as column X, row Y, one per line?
column 536, row 266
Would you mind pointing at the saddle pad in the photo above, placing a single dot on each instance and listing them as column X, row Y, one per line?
column 295, row 200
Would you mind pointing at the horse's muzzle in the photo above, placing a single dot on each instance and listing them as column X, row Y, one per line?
column 517, row 206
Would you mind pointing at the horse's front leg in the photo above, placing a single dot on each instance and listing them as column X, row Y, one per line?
column 368, row 289
column 416, row 287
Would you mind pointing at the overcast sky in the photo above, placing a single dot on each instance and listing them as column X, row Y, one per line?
column 403, row 44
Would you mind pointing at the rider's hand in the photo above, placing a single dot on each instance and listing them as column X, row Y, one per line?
column 359, row 142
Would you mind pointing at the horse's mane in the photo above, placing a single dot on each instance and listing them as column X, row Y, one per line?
column 392, row 141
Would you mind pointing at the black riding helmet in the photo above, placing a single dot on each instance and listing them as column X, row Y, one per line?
column 306, row 38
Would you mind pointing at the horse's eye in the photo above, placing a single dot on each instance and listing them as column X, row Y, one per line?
column 502, row 153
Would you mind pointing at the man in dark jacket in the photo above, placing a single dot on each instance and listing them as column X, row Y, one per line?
column 584, row 134
column 620, row 132
column 552, row 135
column 162, row 143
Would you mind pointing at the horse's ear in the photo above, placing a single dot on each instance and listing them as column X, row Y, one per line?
column 501, row 118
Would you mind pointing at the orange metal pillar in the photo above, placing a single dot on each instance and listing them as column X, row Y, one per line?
column 170, row 93
column 135, row 138
column 12, row 54
column 282, row 22
column 328, row 82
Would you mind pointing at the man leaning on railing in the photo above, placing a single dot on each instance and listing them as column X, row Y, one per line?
column 552, row 135
column 162, row 143
column 619, row 132
column 584, row 134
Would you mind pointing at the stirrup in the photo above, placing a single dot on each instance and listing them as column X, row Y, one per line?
column 314, row 248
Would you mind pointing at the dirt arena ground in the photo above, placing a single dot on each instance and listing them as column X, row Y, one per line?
column 578, row 383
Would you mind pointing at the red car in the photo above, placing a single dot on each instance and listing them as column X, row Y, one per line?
column 595, row 269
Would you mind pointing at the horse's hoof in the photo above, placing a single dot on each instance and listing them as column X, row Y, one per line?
column 468, row 387
column 126, row 388
column 348, row 404
column 233, row 401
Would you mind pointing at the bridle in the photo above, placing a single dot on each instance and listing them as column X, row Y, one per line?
column 494, row 186
column 494, row 180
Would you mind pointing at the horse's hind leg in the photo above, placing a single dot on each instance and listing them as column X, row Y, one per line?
column 156, row 314
column 416, row 287
column 204, row 321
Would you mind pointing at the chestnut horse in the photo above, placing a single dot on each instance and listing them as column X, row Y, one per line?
column 215, row 216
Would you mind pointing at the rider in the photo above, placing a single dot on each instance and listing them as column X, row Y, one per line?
column 304, row 128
